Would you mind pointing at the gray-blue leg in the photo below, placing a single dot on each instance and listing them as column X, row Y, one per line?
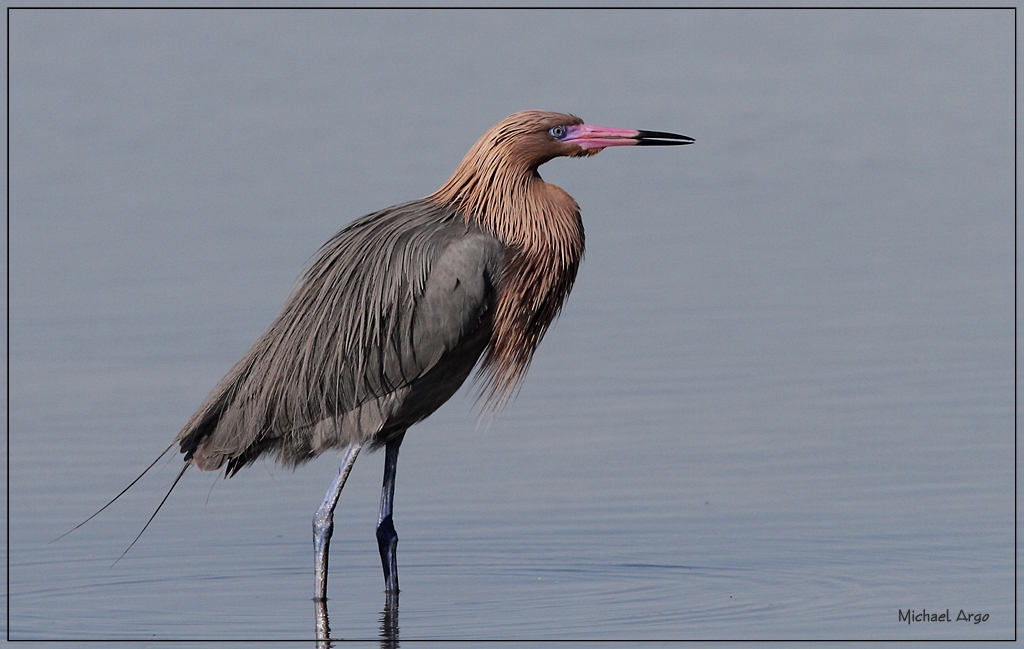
column 323, row 522
column 387, row 538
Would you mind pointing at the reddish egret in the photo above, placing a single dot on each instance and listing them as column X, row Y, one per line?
column 397, row 308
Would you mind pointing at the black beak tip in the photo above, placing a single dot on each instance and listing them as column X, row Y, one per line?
column 659, row 138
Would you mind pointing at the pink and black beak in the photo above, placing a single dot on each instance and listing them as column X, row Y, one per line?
column 592, row 137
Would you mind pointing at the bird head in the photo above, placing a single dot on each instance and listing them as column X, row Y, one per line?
column 532, row 137
column 499, row 172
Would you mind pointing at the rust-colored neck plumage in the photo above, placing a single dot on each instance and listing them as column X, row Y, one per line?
column 497, row 186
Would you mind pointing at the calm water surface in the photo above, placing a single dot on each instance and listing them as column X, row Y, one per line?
column 778, row 405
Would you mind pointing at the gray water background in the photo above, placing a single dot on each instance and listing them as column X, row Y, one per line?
column 778, row 405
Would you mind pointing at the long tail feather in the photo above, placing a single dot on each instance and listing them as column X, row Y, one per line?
column 158, row 507
column 114, row 499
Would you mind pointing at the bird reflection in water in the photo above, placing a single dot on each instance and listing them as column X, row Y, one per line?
column 388, row 624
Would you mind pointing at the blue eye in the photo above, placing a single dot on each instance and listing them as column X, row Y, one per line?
column 557, row 132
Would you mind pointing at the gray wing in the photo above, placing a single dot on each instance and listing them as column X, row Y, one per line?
column 385, row 325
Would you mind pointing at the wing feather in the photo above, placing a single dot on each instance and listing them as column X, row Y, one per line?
column 385, row 324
